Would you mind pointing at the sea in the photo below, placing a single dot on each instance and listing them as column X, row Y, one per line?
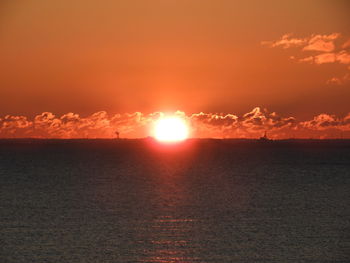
column 201, row 200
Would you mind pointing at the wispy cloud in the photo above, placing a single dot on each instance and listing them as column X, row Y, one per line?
column 323, row 43
column 315, row 42
column 286, row 41
column 346, row 44
column 323, row 49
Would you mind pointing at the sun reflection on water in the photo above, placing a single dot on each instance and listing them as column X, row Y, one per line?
column 170, row 235
column 169, row 241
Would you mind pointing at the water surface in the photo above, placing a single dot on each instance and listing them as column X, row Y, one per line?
column 199, row 201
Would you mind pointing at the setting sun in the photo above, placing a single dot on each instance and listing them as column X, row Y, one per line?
column 171, row 129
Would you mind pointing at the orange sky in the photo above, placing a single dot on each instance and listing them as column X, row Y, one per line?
column 219, row 56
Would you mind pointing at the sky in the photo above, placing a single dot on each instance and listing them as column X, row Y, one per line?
column 231, row 68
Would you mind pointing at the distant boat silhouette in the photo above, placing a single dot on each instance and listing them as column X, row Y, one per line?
column 264, row 138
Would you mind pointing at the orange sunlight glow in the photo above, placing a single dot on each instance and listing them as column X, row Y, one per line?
column 171, row 129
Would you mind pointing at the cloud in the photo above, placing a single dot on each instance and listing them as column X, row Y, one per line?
column 343, row 57
column 324, row 51
column 250, row 125
column 324, row 43
column 346, row 44
column 320, row 45
column 258, row 120
column 212, row 124
column 339, row 80
column 11, row 126
column 334, row 81
column 130, row 125
column 285, row 42
column 314, row 42
column 210, row 119
column 46, row 125
column 325, row 58
column 326, row 121
column 310, row 59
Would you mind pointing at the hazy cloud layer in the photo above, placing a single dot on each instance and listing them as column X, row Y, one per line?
column 322, row 49
column 130, row 125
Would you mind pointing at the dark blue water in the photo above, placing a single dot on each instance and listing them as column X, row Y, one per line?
column 199, row 201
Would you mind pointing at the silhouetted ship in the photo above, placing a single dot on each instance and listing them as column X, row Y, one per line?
column 264, row 138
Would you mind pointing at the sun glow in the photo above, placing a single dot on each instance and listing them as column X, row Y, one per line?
column 171, row 129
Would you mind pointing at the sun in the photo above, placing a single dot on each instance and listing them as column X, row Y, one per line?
column 171, row 129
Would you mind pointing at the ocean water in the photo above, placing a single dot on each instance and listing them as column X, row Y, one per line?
column 198, row 201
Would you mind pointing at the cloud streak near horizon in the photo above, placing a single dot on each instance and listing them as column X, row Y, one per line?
column 134, row 125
